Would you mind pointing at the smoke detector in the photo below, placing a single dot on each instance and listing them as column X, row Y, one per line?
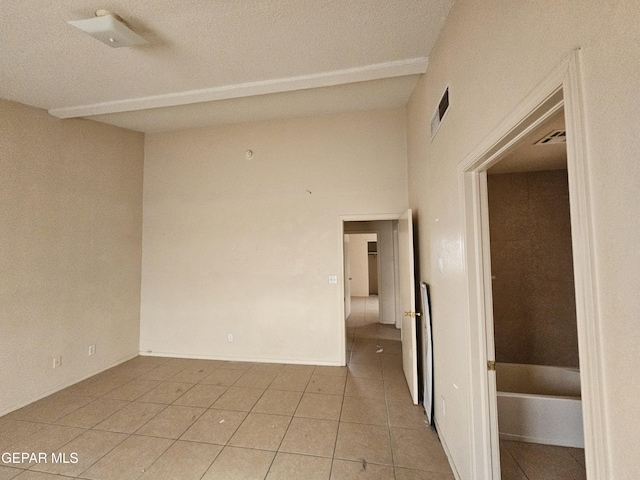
column 110, row 29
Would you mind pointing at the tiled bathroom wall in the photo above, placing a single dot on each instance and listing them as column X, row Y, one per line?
column 532, row 268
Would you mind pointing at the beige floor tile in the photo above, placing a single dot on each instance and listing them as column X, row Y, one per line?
column 95, row 386
column 48, row 439
column 509, row 468
column 93, row 413
column 278, row 402
column 371, row 411
column 546, row 461
column 129, row 370
column 201, row 396
column 7, row 473
column 13, row 430
column 223, row 376
column 274, row 368
column 363, row 442
column 330, row 385
column 310, row 436
column 49, row 409
column 191, row 375
column 262, row 431
column 318, row 405
column 578, row 454
column 130, row 418
column 240, row 464
column 287, row 466
column 141, row 362
column 295, row 382
column 132, row 390
column 419, row 450
column 364, row 387
column 367, row 346
column 214, row 426
column 410, row 474
column 166, row 392
column 392, row 372
column 243, row 366
column 129, row 459
column 330, row 371
column 299, row 369
column 389, row 359
column 202, row 364
column 172, row 422
column 365, row 357
column 365, row 370
column 406, row 414
column 184, row 461
column 238, row 398
column 163, row 372
column 348, row 470
column 396, row 390
column 88, row 448
column 255, row 379
column 392, row 347
column 32, row 475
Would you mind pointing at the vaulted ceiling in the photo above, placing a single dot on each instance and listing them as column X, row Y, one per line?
column 216, row 61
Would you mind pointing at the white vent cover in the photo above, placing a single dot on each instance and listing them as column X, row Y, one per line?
column 441, row 111
column 557, row 136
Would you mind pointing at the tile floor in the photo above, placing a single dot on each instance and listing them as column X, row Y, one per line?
column 531, row 461
column 176, row 419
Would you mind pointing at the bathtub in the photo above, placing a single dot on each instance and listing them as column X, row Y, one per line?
column 539, row 404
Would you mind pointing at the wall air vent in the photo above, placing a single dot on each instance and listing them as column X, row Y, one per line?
column 557, row 136
column 441, row 111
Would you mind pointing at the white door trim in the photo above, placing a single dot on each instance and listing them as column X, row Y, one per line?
column 562, row 88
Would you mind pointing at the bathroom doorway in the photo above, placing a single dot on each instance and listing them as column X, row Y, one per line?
column 561, row 90
column 534, row 310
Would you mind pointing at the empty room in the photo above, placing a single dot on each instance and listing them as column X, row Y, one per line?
column 179, row 182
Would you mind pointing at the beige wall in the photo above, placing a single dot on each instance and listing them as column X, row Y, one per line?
column 247, row 246
column 70, row 250
column 492, row 55
column 534, row 305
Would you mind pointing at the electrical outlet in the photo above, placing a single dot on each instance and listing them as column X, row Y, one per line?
column 230, row 337
column 57, row 361
column 92, row 349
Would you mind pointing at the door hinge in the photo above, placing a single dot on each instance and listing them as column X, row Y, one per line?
column 491, row 365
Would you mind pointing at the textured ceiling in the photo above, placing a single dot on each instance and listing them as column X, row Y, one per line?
column 221, row 57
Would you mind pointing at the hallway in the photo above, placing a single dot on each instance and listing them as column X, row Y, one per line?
column 374, row 356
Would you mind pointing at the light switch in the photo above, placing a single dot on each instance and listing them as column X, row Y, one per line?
column 333, row 279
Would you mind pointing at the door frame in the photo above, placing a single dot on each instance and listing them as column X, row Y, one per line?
column 358, row 218
column 561, row 89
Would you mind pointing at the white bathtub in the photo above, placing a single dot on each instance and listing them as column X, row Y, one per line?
column 539, row 404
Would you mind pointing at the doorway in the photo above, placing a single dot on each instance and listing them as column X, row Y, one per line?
column 361, row 265
column 534, row 314
column 396, row 292
column 561, row 90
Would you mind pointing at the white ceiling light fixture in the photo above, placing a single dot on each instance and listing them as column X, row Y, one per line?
column 110, row 29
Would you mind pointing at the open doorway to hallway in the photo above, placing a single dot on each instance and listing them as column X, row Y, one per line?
column 370, row 253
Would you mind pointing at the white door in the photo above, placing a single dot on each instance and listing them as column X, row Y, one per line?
column 408, row 301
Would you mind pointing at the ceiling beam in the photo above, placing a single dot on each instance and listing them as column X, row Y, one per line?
column 326, row 79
